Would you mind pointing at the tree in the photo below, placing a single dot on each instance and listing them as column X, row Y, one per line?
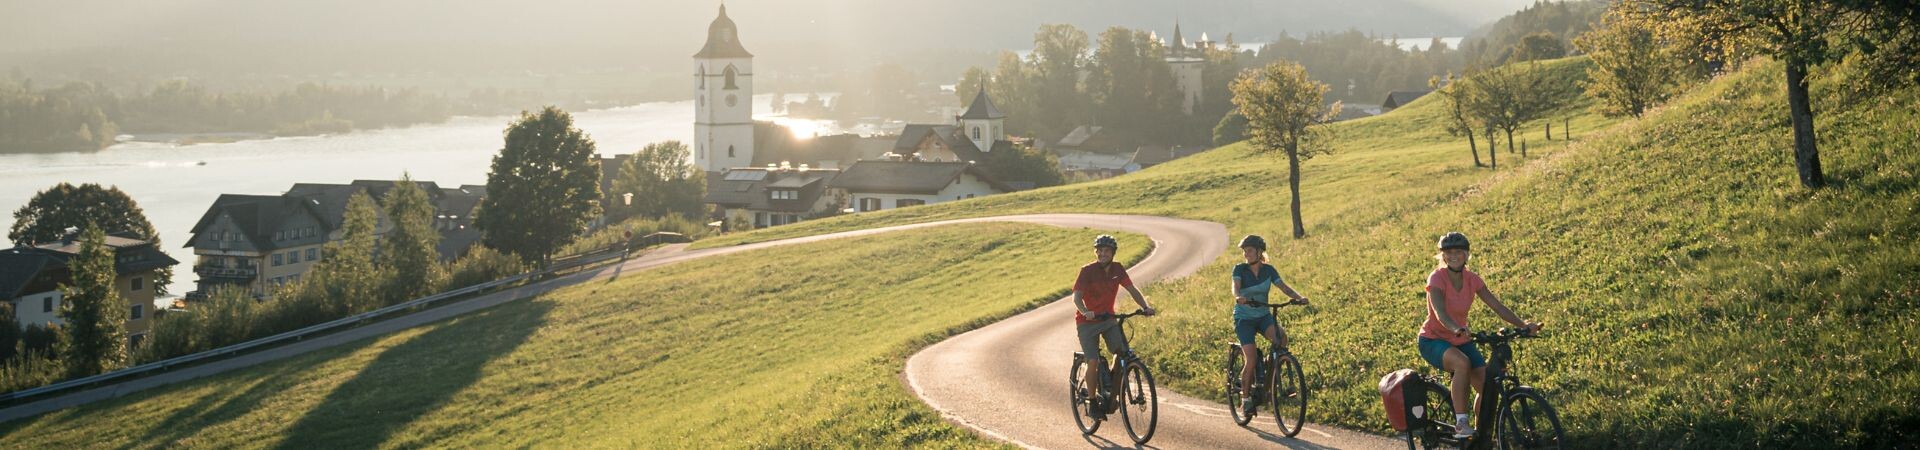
column 1538, row 46
column 1059, row 55
column 543, row 187
column 1232, row 128
column 410, row 250
column 1460, row 96
column 1131, row 85
column 9, row 331
column 347, row 276
column 970, row 82
column 95, row 337
column 46, row 217
column 1510, row 96
column 662, row 183
column 1282, row 104
column 1631, row 71
column 1023, row 163
column 1797, row 32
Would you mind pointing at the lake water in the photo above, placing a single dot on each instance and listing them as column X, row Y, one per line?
column 174, row 189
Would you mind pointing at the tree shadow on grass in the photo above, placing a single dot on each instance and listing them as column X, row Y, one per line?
column 415, row 378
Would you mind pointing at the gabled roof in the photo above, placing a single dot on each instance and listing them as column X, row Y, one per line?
column 44, row 266
column 723, row 39
column 909, row 177
column 952, row 136
column 258, row 216
column 1100, row 139
column 982, row 107
column 1398, row 99
column 746, row 187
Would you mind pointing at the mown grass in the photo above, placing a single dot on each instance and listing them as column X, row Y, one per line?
column 1696, row 296
column 789, row 347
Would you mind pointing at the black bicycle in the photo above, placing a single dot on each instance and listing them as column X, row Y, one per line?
column 1137, row 401
column 1526, row 420
column 1278, row 380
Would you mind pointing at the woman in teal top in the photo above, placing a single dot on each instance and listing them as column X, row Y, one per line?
column 1252, row 281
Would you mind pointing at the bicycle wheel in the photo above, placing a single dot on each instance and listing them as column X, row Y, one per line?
column 1429, row 426
column 1139, row 402
column 1082, row 399
column 1289, row 395
column 1234, row 366
column 1528, row 421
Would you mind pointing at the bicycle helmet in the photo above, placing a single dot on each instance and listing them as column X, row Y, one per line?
column 1455, row 240
column 1106, row 240
column 1255, row 241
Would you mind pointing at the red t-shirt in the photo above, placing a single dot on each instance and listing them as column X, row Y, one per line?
column 1456, row 302
column 1098, row 285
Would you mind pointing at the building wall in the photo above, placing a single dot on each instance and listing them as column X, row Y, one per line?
column 966, row 187
column 1186, row 78
column 718, row 125
column 44, row 307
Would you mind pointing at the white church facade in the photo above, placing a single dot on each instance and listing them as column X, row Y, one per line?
column 723, row 99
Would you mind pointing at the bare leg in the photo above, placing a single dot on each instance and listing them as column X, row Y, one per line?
column 1463, row 378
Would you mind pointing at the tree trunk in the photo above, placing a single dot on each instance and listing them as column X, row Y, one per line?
column 1510, row 142
column 1293, row 183
column 1566, row 128
column 1549, row 129
column 1493, row 149
column 1475, row 147
column 1805, row 154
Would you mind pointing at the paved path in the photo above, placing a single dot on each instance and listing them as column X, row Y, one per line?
column 1003, row 380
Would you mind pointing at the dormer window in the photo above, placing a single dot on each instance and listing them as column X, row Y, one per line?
column 784, row 194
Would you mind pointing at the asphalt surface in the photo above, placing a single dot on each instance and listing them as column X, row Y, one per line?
column 1005, row 381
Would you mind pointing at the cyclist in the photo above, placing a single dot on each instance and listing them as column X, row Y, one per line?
column 1093, row 295
column 1445, row 341
column 1252, row 280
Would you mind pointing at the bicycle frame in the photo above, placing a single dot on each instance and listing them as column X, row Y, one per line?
column 1494, row 389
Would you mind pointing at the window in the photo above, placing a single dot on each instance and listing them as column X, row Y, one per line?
column 701, row 78
column 905, row 202
column 293, row 257
column 976, row 133
column 730, row 74
column 46, row 304
column 869, row 204
column 278, row 235
column 135, row 340
column 139, row 311
column 760, row 219
column 784, row 194
column 276, row 260
column 136, row 283
column 313, row 253
column 729, row 151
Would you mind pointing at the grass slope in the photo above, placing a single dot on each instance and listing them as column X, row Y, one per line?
column 1696, row 295
column 789, row 347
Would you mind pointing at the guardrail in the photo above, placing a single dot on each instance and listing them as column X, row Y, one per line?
column 555, row 266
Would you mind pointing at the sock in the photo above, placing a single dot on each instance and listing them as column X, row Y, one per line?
column 1460, row 418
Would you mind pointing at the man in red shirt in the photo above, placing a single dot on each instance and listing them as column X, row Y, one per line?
column 1093, row 295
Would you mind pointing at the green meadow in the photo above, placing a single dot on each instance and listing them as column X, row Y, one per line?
column 1695, row 295
column 793, row 347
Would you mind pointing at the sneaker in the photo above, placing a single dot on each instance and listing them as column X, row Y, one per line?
column 1463, row 431
column 1247, row 405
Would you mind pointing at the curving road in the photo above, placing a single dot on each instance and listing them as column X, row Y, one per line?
column 1008, row 380
column 1003, row 380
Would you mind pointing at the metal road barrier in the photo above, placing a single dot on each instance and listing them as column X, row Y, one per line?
column 556, row 266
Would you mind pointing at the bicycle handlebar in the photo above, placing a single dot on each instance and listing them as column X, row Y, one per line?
column 1503, row 335
column 1105, row 316
column 1258, row 304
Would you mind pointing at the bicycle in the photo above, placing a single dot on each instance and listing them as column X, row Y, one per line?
column 1526, row 420
column 1279, row 370
column 1138, row 404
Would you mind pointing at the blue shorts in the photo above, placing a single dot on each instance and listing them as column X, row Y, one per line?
column 1434, row 350
column 1246, row 329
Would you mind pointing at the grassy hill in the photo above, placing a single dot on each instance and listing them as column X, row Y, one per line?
column 1695, row 295
column 788, row 347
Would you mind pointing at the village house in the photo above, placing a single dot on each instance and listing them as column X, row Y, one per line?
column 259, row 242
column 31, row 277
column 776, row 195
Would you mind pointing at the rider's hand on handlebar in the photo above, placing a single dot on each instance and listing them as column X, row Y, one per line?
column 1302, row 301
column 1239, row 300
column 1149, row 311
column 1531, row 327
column 1090, row 315
column 1462, row 331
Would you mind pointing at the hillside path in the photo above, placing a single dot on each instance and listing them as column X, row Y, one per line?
column 1004, row 380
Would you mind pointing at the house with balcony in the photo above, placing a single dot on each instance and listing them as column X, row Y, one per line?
column 775, row 195
column 31, row 280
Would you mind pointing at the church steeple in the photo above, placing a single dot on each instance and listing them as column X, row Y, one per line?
column 723, row 99
column 1179, row 44
column 723, row 39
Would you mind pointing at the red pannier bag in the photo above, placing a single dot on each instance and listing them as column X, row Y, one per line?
column 1393, row 397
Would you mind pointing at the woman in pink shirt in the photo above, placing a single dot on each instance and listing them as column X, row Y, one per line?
column 1445, row 341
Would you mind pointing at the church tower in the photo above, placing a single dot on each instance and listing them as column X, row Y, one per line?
column 723, row 99
column 1187, row 63
column 983, row 123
